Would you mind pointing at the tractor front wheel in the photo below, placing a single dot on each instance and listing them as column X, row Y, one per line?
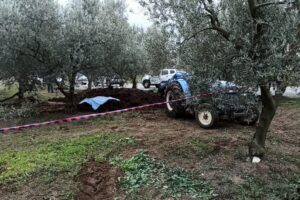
column 206, row 116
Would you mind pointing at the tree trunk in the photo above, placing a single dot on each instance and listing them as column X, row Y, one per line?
column 50, row 88
column 60, row 87
column 90, row 84
column 90, row 78
column 72, row 88
column 258, row 53
column 257, row 146
column 134, row 82
column 21, row 90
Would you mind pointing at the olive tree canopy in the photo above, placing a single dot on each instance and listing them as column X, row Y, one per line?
column 42, row 39
column 26, row 31
column 250, row 42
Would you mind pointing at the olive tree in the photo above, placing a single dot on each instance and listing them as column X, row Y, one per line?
column 81, row 40
column 42, row 39
column 134, row 57
column 116, row 41
column 92, row 33
column 26, row 31
column 158, row 49
column 250, row 42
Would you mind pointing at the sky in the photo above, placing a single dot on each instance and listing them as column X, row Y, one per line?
column 136, row 13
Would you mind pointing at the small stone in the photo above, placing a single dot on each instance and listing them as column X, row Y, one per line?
column 256, row 159
column 237, row 180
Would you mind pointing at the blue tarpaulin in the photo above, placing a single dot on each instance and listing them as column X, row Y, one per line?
column 96, row 102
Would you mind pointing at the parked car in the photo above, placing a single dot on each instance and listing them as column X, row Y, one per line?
column 227, row 102
column 100, row 81
column 115, row 80
column 164, row 76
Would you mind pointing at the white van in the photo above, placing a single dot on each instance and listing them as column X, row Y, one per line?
column 164, row 75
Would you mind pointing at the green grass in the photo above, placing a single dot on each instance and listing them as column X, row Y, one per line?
column 190, row 149
column 42, row 94
column 59, row 156
column 255, row 188
column 146, row 177
column 7, row 91
column 202, row 147
column 291, row 103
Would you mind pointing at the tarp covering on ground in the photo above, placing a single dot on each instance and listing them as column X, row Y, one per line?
column 96, row 102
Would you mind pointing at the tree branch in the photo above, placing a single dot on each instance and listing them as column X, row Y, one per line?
column 215, row 23
column 61, row 89
column 273, row 3
column 33, row 56
column 195, row 34
column 223, row 32
column 252, row 7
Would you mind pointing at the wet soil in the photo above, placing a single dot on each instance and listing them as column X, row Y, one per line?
column 98, row 181
column 223, row 158
column 218, row 155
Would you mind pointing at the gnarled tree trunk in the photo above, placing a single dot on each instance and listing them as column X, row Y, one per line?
column 259, row 53
column 134, row 82
column 90, row 80
column 60, row 87
column 72, row 87
column 21, row 90
column 257, row 146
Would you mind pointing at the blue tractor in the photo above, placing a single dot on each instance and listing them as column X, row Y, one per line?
column 228, row 101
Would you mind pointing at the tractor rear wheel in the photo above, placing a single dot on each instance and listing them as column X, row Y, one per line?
column 174, row 108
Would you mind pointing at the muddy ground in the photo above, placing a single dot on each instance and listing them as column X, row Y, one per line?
column 218, row 155
column 223, row 161
column 98, row 181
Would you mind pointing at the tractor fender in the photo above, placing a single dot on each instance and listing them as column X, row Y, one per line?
column 185, row 87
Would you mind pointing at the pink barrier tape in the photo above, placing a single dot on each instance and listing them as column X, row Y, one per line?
column 89, row 116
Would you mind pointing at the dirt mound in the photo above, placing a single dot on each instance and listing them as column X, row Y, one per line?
column 128, row 98
column 98, row 181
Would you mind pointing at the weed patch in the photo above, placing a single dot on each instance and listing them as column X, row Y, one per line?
column 191, row 149
column 291, row 103
column 145, row 174
column 24, row 110
column 7, row 91
column 57, row 156
column 255, row 188
column 202, row 147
